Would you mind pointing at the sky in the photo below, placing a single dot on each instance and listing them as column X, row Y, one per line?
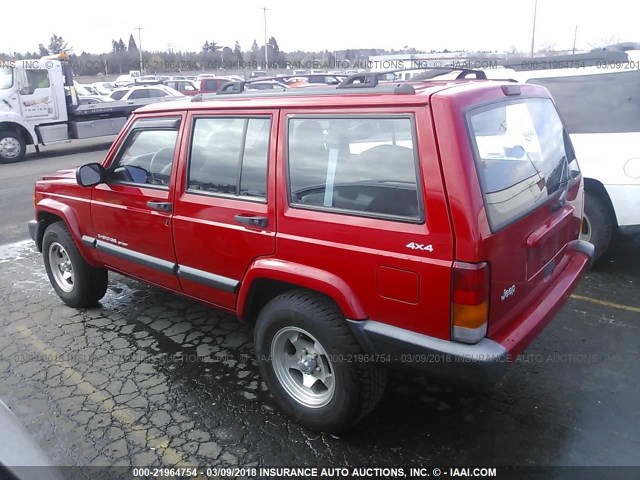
column 315, row 25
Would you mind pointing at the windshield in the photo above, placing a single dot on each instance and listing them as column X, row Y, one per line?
column 522, row 154
column 6, row 78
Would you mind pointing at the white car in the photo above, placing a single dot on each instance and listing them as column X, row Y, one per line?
column 104, row 88
column 153, row 93
column 123, row 80
column 601, row 109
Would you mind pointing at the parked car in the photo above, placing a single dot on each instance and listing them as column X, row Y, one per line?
column 601, row 110
column 434, row 225
column 186, row 87
column 214, row 84
column 155, row 92
column 104, row 88
column 315, row 79
column 123, row 80
column 265, row 85
column 258, row 73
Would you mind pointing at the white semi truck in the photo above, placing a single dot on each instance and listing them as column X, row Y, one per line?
column 39, row 106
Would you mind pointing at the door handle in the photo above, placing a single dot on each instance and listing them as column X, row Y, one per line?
column 160, row 206
column 252, row 221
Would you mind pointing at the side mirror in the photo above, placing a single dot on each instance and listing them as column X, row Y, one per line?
column 90, row 174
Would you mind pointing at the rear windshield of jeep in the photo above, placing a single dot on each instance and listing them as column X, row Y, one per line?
column 523, row 155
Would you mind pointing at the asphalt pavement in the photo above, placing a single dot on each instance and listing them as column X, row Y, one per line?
column 17, row 180
column 149, row 378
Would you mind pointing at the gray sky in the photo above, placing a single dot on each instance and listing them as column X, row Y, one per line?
column 319, row 24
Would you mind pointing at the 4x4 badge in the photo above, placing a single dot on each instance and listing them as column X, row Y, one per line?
column 419, row 246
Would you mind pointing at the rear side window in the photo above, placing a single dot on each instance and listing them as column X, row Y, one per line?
column 360, row 166
column 142, row 93
column 523, row 155
column 229, row 156
column 118, row 95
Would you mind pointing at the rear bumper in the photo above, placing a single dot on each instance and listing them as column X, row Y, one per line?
column 487, row 360
column 484, row 362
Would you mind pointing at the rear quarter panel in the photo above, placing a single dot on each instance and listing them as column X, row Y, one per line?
column 393, row 284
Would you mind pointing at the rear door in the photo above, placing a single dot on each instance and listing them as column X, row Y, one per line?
column 224, row 212
column 529, row 203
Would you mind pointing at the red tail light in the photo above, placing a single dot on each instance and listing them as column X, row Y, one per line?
column 470, row 301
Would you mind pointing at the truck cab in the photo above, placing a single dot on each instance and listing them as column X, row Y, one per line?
column 33, row 104
column 39, row 105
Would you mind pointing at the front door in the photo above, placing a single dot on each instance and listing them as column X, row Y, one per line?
column 37, row 98
column 132, row 211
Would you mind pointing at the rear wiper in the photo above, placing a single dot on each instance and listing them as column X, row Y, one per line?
column 562, row 184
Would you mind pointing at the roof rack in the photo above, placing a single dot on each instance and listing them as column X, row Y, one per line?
column 361, row 83
column 237, row 90
column 371, row 79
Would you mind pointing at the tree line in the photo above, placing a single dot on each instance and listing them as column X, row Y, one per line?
column 126, row 56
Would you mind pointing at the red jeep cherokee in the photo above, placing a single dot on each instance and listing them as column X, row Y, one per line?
column 429, row 224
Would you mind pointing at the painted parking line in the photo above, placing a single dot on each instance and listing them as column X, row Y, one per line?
column 619, row 306
column 123, row 415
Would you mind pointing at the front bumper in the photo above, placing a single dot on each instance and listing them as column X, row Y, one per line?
column 487, row 360
column 34, row 232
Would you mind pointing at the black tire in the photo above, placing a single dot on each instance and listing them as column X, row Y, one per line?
column 598, row 226
column 88, row 284
column 12, row 147
column 359, row 384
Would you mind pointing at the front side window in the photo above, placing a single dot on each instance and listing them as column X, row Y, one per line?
column 229, row 156
column 523, row 155
column 147, row 156
column 35, row 79
column 361, row 166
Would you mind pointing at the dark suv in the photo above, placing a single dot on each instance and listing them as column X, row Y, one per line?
column 431, row 224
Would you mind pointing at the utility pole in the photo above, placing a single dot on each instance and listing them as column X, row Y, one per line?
column 266, row 45
column 533, row 33
column 575, row 34
column 140, row 48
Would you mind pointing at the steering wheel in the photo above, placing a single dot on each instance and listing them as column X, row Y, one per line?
column 161, row 162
